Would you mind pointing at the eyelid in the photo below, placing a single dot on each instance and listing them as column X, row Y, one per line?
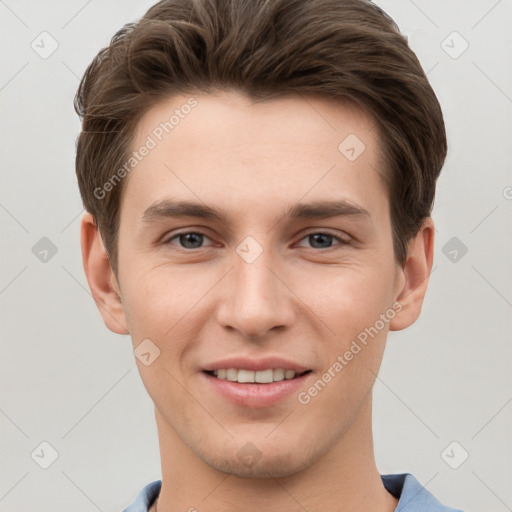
column 316, row 231
column 167, row 239
column 320, row 231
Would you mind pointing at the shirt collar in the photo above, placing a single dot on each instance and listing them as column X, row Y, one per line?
column 413, row 497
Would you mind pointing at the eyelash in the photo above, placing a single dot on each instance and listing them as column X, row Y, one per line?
column 340, row 240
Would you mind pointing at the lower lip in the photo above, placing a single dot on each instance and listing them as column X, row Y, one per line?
column 256, row 395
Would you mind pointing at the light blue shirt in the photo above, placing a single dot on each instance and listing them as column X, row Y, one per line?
column 413, row 497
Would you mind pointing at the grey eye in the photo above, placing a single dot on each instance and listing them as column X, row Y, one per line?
column 189, row 240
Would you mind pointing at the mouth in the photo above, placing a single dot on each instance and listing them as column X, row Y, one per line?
column 256, row 389
column 267, row 376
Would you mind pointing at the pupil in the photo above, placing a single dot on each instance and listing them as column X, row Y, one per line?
column 323, row 236
column 190, row 237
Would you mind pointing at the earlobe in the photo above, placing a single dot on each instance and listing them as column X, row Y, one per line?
column 416, row 273
column 101, row 278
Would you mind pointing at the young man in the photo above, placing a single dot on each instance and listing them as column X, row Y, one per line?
column 295, row 145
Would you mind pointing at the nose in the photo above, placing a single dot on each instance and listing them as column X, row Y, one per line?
column 255, row 298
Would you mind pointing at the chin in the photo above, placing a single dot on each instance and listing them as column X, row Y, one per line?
column 265, row 460
column 275, row 467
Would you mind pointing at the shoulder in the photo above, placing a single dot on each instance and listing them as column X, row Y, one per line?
column 410, row 492
column 404, row 486
column 145, row 497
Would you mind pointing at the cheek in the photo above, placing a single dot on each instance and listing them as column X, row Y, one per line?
column 166, row 308
column 355, row 298
column 155, row 300
column 353, row 310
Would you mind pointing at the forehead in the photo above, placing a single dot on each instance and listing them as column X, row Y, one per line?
column 229, row 148
column 233, row 115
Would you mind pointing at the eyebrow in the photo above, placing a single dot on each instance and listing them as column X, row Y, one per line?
column 169, row 208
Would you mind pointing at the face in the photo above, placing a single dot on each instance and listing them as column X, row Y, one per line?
column 283, row 264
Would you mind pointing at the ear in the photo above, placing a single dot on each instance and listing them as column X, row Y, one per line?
column 101, row 278
column 416, row 272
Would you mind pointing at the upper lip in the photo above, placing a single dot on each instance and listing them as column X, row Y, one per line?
column 264, row 363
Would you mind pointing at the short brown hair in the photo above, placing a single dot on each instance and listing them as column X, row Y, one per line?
column 342, row 49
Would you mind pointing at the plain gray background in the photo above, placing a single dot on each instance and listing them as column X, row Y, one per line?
column 444, row 391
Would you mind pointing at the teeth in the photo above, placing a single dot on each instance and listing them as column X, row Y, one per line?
column 232, row 374
column 264, row 376
column 261, row 377
column 245, row 376
column 278, row 374
column 289, row 374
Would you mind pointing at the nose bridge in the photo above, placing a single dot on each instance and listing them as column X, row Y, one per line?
column 255, row 282
column 256, row 301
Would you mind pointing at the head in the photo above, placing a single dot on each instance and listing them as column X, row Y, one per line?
column 255, row 109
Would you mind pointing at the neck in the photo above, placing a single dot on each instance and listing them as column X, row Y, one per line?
column 344, row 479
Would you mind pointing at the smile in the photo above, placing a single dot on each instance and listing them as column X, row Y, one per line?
column 241, row 387
column 261, row 377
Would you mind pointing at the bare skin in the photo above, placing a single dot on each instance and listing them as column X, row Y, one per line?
column 303, row 298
